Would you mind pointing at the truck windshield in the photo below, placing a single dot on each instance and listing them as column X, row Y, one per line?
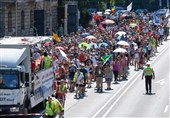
column 8, row 81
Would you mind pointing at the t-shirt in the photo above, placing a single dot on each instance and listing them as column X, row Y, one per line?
column 84, row 71
column 72, row 70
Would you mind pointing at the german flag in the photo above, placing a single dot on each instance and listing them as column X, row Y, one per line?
column 56, row 37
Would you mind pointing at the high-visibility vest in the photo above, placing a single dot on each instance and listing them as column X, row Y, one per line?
column 50, row 108
column 148, row 71
column 47, row 62
column 58, row 106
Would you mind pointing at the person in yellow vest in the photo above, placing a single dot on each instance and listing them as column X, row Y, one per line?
column 53, row 108
column 62, row 90
column 46, row 61
column 149, row 75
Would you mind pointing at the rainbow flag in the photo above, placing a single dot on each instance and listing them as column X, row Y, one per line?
column 113, row 9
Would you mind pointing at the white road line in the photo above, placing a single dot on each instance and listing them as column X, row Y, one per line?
column 166, row 109
column 120, row 96
column 112, row 97
column 94, row 116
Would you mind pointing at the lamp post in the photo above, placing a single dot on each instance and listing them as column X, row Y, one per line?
column 16, row 18
column 167, row 4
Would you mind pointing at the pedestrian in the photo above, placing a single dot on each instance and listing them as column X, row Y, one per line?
column 108, row 75
column 78, row 81
column 116, row 69
column 149, row 75
column 46, row 61
column 53, row 108
column 99, row 73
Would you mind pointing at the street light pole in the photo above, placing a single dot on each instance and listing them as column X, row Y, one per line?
column 16, row 18
column 167, row 4
column 50, row 18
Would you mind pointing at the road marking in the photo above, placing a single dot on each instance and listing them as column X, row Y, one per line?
column 166, row 109
column 161, row 82
column 112, row 97
column 120, row 96
column 94, row 116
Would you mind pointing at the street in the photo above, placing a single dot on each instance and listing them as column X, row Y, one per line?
column 128, row 99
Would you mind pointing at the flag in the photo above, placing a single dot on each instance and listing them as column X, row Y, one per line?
column 167, row 13
column 62, row 55
column 56, row 37
column 113, row 9
column 105, row 58
column 155, row 19
column 129, row 7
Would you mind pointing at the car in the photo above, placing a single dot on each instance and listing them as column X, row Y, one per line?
column 138, row 11
column 161, row 12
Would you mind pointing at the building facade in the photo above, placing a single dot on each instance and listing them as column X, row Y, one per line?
column 28, row 17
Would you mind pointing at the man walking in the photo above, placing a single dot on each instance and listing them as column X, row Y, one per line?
column 149, row 75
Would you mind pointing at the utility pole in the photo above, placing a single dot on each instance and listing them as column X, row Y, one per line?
column 16, row 18
column 167, row 4
column 50, row 18
column 160, row 4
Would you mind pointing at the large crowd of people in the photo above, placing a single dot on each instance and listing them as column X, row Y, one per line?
column 91, row 56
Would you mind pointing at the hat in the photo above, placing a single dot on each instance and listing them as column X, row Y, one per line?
column 82, row 64
column 78, row 68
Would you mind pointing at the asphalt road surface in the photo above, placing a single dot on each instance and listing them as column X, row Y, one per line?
column 128, row 98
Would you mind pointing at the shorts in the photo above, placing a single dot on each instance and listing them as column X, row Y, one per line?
column 108, row 79
column 136, row 60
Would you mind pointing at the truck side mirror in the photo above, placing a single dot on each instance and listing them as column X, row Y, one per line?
column 26, row 84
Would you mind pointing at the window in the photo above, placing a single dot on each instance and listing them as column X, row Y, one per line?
column 31, row 19
column 9, row 21
column 22, row 20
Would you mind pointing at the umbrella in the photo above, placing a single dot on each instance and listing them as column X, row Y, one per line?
column 93, row 44
column 106, row 13
column 123, row 43
column 47, row 43
column 107, row 10
column 133, row 25
column 120, row 33
column 59, row 47
column 104, row 44
column 90, row 37
column 85, row 34
column 84, row 44
column 108, row 22
column 120, row 50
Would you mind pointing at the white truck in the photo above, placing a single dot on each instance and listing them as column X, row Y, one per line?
column 20, row 89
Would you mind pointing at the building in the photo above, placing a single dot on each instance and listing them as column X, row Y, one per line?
column 28, row 17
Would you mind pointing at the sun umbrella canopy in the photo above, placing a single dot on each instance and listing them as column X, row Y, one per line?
column 84, row 45
column 120, row 50
column 107, row 10
column 106, row 13
column 103, row 44
column 108, row 22
column 85, row 34
column 133, row 25
column 124, row 43
column 120, row 33
column 59, row 47
column 90, row 37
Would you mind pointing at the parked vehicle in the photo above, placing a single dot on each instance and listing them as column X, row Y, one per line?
column 20, row 88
